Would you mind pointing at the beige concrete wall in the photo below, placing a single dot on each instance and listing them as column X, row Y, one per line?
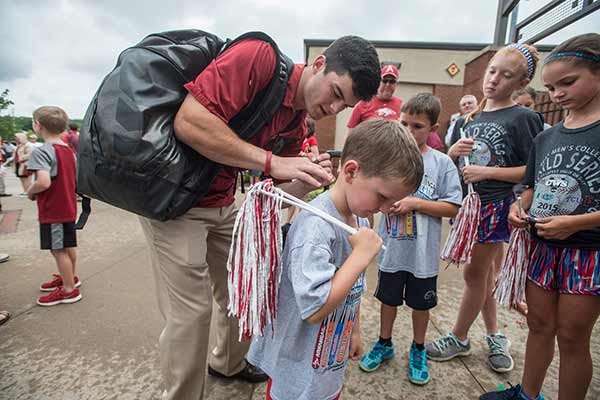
column 421, row 65
column 429, row 65
column 407, row 90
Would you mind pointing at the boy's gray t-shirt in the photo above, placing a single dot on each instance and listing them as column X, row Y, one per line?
column 412, row 240
column 307, row 361
column 43, row 158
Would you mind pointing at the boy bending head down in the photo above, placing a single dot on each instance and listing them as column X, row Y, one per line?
column 317, row 327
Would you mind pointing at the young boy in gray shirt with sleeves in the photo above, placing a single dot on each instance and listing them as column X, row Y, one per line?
column 54, row 167
column 411, row 232
column 317, row 326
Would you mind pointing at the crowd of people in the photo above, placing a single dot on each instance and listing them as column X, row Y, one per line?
column 394, row 163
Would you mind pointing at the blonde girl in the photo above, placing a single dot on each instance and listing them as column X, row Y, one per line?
column 499, row 134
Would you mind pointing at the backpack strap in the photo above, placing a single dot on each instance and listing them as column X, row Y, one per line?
column 249, row 121
column 86, row 209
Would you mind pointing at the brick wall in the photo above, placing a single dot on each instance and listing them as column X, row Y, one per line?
column 449, row 96
column 325, row 133
column 474, row 71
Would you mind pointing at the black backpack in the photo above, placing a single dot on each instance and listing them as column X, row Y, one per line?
column 128, row 154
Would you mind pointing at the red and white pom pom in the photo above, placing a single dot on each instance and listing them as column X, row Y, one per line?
column 463, row 232
column 253, row 267
column 510, row 287
column 254, row 260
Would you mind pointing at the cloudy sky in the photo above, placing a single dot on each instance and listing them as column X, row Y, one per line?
column 56, row 52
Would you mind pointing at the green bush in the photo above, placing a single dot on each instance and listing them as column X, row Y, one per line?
column 311, row 195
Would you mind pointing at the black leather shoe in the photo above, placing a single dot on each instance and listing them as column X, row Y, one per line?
column 5, row 195
column 250, row 374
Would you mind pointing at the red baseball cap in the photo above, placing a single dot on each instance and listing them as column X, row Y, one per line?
column 390, row 70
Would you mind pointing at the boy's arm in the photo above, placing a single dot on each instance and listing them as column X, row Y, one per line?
column 366, row 244
column 438, row 209
column 42, row 183
column 40, row 163
column 449, row 197
column 356, row 348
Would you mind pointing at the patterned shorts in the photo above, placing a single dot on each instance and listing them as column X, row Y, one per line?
column 568, row 271
column 493, row 221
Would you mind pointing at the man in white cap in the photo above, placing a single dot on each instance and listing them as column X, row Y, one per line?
column 384, row 104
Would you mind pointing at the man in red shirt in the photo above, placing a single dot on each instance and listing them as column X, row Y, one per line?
column 71, row 137
column 433, row 141
column 384, row 105
column 189, row 253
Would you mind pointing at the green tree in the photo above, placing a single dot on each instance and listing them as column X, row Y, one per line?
column 5, row 102
column 7, row 126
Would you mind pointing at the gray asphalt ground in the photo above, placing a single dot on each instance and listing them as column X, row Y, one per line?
column 105, row 346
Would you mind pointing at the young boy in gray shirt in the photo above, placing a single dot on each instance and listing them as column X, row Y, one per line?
column 411, row 232
column 317, row 327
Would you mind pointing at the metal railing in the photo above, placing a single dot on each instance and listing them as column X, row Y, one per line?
column 551, row 18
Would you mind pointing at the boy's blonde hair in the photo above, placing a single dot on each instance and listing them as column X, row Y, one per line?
column 53, row 119
column 527, row 90
column 385, row 149
column 21, row 137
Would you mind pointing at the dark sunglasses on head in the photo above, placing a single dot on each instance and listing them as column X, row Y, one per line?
column 392, row 81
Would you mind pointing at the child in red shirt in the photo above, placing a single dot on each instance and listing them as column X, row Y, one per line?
column 53, row 164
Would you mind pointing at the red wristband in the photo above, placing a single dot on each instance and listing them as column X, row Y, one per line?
column 268, row 163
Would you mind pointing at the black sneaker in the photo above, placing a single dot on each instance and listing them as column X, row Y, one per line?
column 250, row 374
column 513, row 393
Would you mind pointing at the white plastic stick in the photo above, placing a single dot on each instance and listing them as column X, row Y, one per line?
column 288, row 198
column 466, row 160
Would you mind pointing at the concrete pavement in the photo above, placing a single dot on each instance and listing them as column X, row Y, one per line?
column 105, row 346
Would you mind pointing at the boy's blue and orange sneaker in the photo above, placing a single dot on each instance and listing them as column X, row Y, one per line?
column 418, row 371
column 378, row 354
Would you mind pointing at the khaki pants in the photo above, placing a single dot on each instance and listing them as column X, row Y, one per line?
column 188, row 278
